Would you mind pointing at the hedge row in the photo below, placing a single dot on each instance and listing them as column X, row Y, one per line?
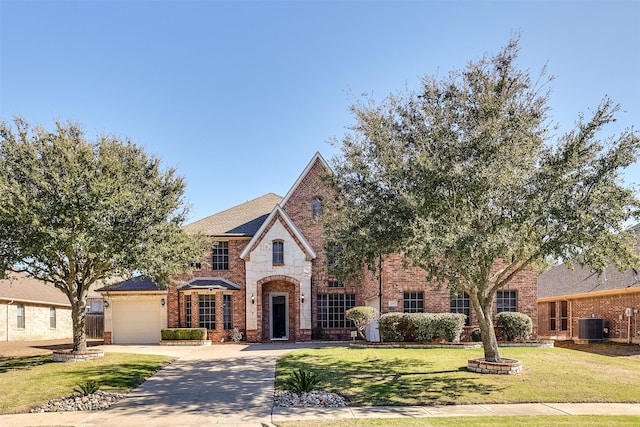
column 421, row 327
column 184, row 334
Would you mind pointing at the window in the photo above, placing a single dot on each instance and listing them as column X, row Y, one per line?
column 460, row 303
column 564, row 316
column 331, row 308
column 316, row 208
column 187, row 311
column 552, row 316
column 278, row 252
column 335, row 284
column 207, row 312
column 333, row 254
column 52, row 317
column 507, row 301
column 227, row 306
column 413, row 302
column 220, row 259
column 20, row 313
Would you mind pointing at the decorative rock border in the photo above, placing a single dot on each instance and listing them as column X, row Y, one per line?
column 504, row 367
column 76, row 356
column 185, row 342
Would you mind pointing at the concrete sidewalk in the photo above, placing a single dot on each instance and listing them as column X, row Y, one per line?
column 247, row 419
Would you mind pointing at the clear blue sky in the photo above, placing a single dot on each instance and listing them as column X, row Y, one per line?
column 238, row 96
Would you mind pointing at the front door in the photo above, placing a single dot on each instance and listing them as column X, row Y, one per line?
column 279, row 316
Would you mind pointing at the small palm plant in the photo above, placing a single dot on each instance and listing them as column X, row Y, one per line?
column 302, row 381
column 87, row 388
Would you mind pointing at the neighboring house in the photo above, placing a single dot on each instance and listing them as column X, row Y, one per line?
column 32, row 310
column 268, row 272
column 570, row 300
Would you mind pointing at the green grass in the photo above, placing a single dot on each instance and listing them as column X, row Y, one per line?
column 572, row 420
column 28, row 381
column 374, row 377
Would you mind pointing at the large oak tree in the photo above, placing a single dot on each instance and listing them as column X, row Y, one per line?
column 467, row 171
column 74, row 212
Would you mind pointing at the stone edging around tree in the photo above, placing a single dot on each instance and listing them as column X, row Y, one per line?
column 504, row 367
column 76, row 356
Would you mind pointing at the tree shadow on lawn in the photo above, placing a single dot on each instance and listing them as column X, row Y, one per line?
column 16, row 363
column 389, row 382
column 124, row 376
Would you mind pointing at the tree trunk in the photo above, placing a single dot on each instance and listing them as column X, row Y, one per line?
column 78, row 316
column 484, row 310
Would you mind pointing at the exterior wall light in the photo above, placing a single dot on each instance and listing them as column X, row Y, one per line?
column 253, row 300
column 106, row 304
column 302, row 298
column 163, row 302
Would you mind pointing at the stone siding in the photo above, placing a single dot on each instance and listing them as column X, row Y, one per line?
column 36, row 323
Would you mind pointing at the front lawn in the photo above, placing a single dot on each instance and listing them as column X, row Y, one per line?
column 379, row 377
column 28, row 381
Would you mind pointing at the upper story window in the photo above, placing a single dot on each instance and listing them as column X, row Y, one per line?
column 220, row 257
column 333, row 259
column 506, row 301
column 278, row 252
column 316, row 208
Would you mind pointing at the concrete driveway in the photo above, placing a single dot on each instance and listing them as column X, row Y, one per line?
column 229, row 384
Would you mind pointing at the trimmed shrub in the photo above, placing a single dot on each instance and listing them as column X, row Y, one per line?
column 514, row 326
column 421, row 327
column 174, row 334
column 362, row 316
column 476, row 335
column 389, row 327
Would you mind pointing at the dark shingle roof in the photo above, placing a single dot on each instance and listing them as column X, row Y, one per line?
column 241, row 220
column 561, row 281
column 210, row 282
column 134, row 284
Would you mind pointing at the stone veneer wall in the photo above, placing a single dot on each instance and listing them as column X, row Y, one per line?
column 260, row 270
column 37, row 326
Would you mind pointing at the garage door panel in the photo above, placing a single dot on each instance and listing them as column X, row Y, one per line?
column 136, row 322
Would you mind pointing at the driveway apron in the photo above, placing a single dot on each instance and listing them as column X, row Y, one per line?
column 222, row 384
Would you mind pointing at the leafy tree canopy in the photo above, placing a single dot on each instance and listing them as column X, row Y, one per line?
column 465, row 171
column 74, row 211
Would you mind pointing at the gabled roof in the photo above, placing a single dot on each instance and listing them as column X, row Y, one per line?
column 210, row 283
column 278, row 212
column 23, row 289
column 561, row 281
column 134, row 284
column 239, row 221
column 316, row 158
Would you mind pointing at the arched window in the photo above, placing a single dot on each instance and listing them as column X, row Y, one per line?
column 316, row 208
column 278, row 252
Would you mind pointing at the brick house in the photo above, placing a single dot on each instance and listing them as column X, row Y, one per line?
column 568, row 300
column 268, row 272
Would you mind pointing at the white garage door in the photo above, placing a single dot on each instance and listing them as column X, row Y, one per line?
column 136, row 322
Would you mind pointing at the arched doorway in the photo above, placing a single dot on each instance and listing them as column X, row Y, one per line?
column 280, row 313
